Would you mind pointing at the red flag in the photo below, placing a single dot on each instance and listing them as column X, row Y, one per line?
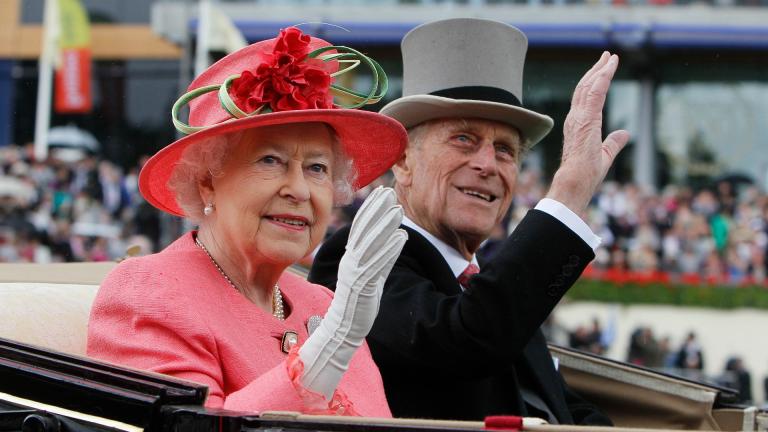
column 73, row 81
column 73, row 71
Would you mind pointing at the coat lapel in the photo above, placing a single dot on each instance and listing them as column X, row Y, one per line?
column 432, row 265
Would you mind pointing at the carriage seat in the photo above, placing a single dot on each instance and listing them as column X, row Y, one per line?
column 48, row 305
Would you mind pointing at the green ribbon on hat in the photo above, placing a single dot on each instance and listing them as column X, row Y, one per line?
column 343, row 55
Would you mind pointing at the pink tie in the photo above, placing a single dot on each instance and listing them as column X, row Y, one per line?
column 466, row 274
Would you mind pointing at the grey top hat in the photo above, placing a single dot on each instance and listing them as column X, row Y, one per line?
column 469, row 68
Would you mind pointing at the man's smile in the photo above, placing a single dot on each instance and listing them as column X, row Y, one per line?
column 486, row 196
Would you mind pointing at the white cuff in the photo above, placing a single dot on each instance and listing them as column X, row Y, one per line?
column 570, row 219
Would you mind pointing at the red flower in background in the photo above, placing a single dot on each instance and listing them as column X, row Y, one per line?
column 288, row 80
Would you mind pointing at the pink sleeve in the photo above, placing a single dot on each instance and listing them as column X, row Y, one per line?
column 286, row 393
column 135, row 322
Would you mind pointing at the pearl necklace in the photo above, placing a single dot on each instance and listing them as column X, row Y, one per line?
column 278, row 310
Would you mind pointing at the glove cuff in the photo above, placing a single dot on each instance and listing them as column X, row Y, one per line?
column 316, row 403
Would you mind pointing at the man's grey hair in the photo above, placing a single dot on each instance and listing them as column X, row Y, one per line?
column 206, row 159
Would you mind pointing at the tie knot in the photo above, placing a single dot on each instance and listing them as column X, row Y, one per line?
column 466, row 274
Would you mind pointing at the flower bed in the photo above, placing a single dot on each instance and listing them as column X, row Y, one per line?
column 654, row 291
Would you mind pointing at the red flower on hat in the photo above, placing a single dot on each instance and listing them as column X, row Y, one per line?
column 287, row 80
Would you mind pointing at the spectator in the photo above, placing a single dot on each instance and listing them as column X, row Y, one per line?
column 643, row 348
column 588, row 339
column 596, row 337
column 664, row 358
column 765, row 387
column 737, row 376
column 580, row 339
column 690, row 357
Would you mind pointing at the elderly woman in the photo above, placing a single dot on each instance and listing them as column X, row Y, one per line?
column 269, row 157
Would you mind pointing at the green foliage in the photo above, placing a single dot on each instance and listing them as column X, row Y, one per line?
column 711, row 296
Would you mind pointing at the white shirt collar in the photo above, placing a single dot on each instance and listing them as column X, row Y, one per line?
column 455, row 260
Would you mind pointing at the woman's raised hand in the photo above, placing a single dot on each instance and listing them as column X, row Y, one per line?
column 374, row 243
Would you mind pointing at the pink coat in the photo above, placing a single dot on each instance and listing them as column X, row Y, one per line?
column 173, row 313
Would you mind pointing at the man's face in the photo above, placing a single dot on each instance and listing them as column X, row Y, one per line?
column 457, row 177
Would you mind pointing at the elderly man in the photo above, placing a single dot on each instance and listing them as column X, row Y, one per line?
column 453, row 346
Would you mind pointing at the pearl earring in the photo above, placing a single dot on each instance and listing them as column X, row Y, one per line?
column 208, row 209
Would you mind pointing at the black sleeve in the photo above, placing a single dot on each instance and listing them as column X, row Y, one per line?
column 325, row 265
column 583, row 412
column 424, row 321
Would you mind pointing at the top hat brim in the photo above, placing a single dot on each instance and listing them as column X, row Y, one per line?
column 415, row 109
column 373, row 142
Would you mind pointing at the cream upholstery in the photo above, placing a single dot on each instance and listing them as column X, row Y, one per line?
column 48, row 305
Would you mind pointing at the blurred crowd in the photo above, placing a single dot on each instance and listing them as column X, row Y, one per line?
column 645, row 349
column 652, row 351
column 87, row 209
column 715, row 235
column 70, row 209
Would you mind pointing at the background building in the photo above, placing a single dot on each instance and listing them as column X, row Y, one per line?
column 135, row 77
column 692, row 87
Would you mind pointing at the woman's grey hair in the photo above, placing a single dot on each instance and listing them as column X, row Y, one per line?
column 206, row 159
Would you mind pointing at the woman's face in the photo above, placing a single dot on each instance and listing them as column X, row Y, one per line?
column 274, row 196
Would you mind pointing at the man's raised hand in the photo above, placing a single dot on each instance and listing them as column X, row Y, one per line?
column 586, row 156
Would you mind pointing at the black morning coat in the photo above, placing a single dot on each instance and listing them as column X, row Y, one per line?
column 447, row 354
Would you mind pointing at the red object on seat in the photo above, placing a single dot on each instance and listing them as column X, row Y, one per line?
column 506, row 423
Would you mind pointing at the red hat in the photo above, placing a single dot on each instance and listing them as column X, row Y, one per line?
column 284, row 80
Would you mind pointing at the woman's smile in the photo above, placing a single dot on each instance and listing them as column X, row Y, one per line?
column 289, row 222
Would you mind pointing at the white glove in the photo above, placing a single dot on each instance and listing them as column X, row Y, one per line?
column 374, row 243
